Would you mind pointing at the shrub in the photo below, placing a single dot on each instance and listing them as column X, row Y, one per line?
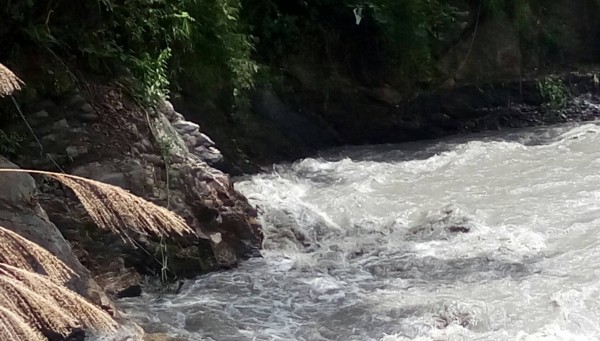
column 10, row 142
column 153, row 40
column 554, row 93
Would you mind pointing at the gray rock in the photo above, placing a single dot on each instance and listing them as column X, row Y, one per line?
column 89, row 117
column 186, row 127
column 161, row 337
column 116, row 179
column 137, row 179
column 198, row 151
column 87, row 108
column 119, row 281
column 209, row 155
column 140, row 147
column 204, row 140
column 176, row 117
column 128, row 174
column 166, row 108
column 190, row 141
column 154, row 159
column 76, row 151
column 92, row 169
column 41, row 114
column 61, row 125
column 200, row 194
column 16, row 187
column 134, row 129
column 50, row 138
column 166, row 132
column 146, row 144
column 76, row 100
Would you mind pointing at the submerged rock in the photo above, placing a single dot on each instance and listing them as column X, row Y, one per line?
column 440, row 225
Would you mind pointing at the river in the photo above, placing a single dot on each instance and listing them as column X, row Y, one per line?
column 480, row 237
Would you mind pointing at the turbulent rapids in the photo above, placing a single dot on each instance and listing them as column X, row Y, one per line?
column 487, row 237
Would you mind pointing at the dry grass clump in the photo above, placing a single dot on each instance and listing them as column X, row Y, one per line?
column 50, row 308
column 25, row 254
column 113, row 208
column 36, row 309
column 13, row 327
column 73, row 305
column 9, row 82
column 31, row 302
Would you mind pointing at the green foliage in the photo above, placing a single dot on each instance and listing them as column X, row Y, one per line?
column 167, row 145
column 214, row 47
column 10, row 143
column 152, row 74
column 222, row 50
column 519, row 11
column 412, row 29
column 151, row 41
column 410, row 35
column 277, row 31
column 554, row 92
column 407, row 31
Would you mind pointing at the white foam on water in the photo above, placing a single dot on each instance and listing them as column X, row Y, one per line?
column 490, row 237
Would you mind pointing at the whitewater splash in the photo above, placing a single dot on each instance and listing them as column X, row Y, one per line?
column 474, row 238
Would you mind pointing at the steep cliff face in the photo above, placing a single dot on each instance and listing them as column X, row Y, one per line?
column 152, row 153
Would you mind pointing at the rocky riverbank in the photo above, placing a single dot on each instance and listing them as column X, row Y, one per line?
column 153, row 153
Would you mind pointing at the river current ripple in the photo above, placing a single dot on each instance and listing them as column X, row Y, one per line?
column 481, row 237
